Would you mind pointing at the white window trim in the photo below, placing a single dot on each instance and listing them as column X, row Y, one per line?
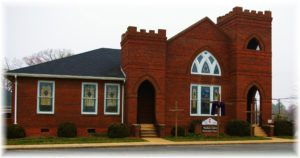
column 96, row 97
column 53, row 98
column 199, row 98
column 118, row 103
column 200, row 65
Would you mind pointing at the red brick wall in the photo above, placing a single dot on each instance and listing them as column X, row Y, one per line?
column 143, row 58
column 182, row 50
column 67, row 107
column 250, row 67
column 168, row 65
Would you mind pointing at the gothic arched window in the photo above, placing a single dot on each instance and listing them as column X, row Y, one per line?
column 206, row 64
column 254, row 44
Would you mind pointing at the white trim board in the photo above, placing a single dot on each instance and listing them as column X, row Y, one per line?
column 65, row 76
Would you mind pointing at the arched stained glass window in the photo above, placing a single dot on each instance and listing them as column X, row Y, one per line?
column 206, row 64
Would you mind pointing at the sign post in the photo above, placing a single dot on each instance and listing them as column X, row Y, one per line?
column 176, row 117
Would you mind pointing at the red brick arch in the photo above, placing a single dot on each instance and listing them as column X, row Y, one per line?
column 147, row 78
column 259, row 88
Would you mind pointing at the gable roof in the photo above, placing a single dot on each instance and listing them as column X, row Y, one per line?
column 190, row 28
column 103, row 63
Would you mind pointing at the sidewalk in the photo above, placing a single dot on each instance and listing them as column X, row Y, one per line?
column 150, row 142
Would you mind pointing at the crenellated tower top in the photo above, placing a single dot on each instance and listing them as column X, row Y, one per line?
column 238, row 11
column 132, row 32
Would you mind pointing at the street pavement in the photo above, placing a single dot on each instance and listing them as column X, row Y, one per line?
column 278, row 149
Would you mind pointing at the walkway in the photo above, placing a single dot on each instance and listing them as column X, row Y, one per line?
column 150, row 142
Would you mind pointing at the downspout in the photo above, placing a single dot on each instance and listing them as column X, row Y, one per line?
column 122, row 118
column 16, row 92
column 122, row 121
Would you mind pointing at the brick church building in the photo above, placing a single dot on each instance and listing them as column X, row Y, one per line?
column 141, row 82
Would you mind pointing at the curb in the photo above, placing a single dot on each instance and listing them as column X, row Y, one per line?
column 137, row 144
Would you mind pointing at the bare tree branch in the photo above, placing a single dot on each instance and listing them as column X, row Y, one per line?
column 47, row 55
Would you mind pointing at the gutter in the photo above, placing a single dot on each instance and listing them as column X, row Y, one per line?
column 65, row 76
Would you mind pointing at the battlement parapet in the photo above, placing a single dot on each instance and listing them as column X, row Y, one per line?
column 151, row 34
column 238, row 11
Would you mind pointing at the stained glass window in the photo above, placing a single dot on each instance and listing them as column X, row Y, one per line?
column 194, row 68
column 205, row 100
column 206, row 63
column 89, row 98
column 216, row 71
column 194, row 100
column 45, row 96
column 216, row 95
column 112, row 98
column 211, row 59
column 202, row 97
column 205, row 68
column 200, row 58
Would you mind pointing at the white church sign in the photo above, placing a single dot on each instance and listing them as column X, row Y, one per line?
column 209, row 126
column 209, row 122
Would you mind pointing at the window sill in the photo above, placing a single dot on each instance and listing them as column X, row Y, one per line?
column 84, row 113
column 201, row 115
column 45, row 113
column 113, row 114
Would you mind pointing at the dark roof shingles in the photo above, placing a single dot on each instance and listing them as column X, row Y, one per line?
column 103, row 62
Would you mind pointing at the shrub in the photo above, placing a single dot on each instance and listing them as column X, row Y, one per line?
column 118, row 131
column 180, row 131
column 67, row 129
column 193, row 125
column 237, row 128
column 15, row 131
column 283, row 128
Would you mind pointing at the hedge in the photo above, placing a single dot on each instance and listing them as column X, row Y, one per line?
column 15, row 131
column 67, row 129
column 283, row 128
column 180, row 131
column 193, row 125
column 237, row 128
column 118, row 131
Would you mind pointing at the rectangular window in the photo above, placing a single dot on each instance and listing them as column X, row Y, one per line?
column 205, row 100
column 112, row 99
column 45, row 97
column 201, row 98
column 89, row 100
column 194, row 100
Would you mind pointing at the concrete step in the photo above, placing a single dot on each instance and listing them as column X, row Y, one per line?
column 258, row 131
column 148, row 130
column 149, row 135
column 147, row 126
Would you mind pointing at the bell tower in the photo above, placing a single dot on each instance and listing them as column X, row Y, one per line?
column 251, row 57
column 143, row 60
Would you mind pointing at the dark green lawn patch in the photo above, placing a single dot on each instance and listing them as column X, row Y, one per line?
column 286, row 137
column 191, row 137
column 59, row 140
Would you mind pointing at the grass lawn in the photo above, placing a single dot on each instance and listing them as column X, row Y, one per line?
column 286, row 137
column 58, row 140
column 221, row 138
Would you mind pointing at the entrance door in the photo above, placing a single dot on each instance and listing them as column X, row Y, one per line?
column 253, row 106
column 146, row 103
